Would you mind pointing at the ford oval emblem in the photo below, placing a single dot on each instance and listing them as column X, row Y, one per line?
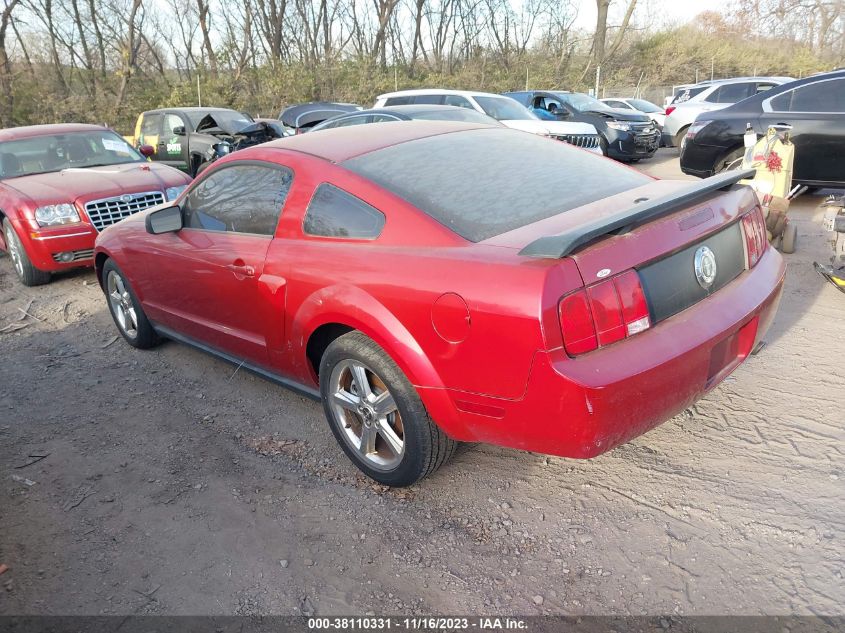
column 126, row 198
column 604, row 272
column 705, row 267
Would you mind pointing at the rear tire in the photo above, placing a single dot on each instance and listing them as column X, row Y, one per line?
column 28, row 274
column 730, row 162
column 788, row 239
column 679, row 138
column 376, row 414
column 126, row 310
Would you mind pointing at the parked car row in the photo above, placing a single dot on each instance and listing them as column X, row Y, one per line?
column 427, row 269
column 709, row 96
column 814, row 107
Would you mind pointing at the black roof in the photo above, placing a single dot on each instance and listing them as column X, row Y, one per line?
column 305, row 113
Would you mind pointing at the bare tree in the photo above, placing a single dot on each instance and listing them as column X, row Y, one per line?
column 8, row 100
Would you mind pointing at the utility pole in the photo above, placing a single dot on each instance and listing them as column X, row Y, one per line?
column 598, row 81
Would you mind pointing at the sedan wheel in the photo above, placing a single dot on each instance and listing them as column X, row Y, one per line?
column 125, row 308
column 121, row 305
column 376, row 413
column 25, row 270
column 364, row 409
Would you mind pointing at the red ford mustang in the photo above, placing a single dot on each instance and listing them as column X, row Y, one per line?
column 433, row 282
column 61, row 184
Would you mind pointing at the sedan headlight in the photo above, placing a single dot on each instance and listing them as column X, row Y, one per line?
column 55, row 214
column 171, row 193
column 222, row 149
column 619, row 125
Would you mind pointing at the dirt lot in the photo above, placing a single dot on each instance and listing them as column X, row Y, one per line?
column 173, row 484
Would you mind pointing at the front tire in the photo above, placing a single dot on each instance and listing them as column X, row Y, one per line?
column 376, row 414
column 126, row 310
column 28, row 274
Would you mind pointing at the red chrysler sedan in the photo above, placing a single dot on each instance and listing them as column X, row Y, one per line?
column 436, row 282
column 62, row 184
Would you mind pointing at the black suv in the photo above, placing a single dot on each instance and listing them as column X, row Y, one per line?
column 625, row 135
column 813, row 106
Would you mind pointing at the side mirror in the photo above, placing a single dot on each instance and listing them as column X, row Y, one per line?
column 179, row 130
column 562, row 113
column 147, row 150
column 167, row 220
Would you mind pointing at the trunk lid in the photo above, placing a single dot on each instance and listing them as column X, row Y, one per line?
column 661, row 249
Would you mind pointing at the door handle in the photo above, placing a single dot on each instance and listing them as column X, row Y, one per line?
column 240, row 268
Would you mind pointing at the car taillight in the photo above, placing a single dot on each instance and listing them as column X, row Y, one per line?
column 670, row 110
column 603, row 313
column 756, row 239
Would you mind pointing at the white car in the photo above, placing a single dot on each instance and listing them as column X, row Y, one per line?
column 654, row 112
column 706, row 97
column 505, row 110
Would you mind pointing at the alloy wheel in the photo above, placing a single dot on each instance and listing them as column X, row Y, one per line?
column 122, row 306
column 365, row 412
column 14, row 250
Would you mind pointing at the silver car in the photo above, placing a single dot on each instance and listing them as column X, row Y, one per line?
column 706, row 97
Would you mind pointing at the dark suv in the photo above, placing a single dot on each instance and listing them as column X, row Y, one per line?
column 813, row 106
column 625, row 135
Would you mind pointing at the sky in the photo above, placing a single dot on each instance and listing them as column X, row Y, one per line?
column 660, row 11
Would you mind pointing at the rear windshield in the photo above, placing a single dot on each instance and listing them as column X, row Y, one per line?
column 688, row 93
column 481, row 183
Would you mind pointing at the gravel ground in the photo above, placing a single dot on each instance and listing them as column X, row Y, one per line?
column 173, row 484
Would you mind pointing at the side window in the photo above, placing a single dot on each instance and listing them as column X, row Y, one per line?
column 171, row 121
column 398, row 101
column 428, row 99
column 823, row 96
column 619, row 104
column 352, row 120
column 334, row 213
column 457, row 100
column 731, row 93
column 240, row 199
column 151, row 124
column 761, row 87
column 382, row 118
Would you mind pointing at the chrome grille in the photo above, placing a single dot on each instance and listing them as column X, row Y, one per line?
column 78, row 256
column 107, row 211
column 580, row 140
column 644, row 128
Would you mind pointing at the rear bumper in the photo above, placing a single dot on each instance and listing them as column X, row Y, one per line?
column 42, row 245
column 586, row 406
column 700, row 160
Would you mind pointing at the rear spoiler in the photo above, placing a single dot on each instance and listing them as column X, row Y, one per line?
column 561, row 245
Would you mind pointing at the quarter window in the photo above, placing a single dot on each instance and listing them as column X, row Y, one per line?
column 239, row 199
column 334, row 213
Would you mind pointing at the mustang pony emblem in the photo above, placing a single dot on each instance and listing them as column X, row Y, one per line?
column 705, row 267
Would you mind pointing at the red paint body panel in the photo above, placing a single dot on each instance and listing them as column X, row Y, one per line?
column 20, row 196
column 508, row 381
